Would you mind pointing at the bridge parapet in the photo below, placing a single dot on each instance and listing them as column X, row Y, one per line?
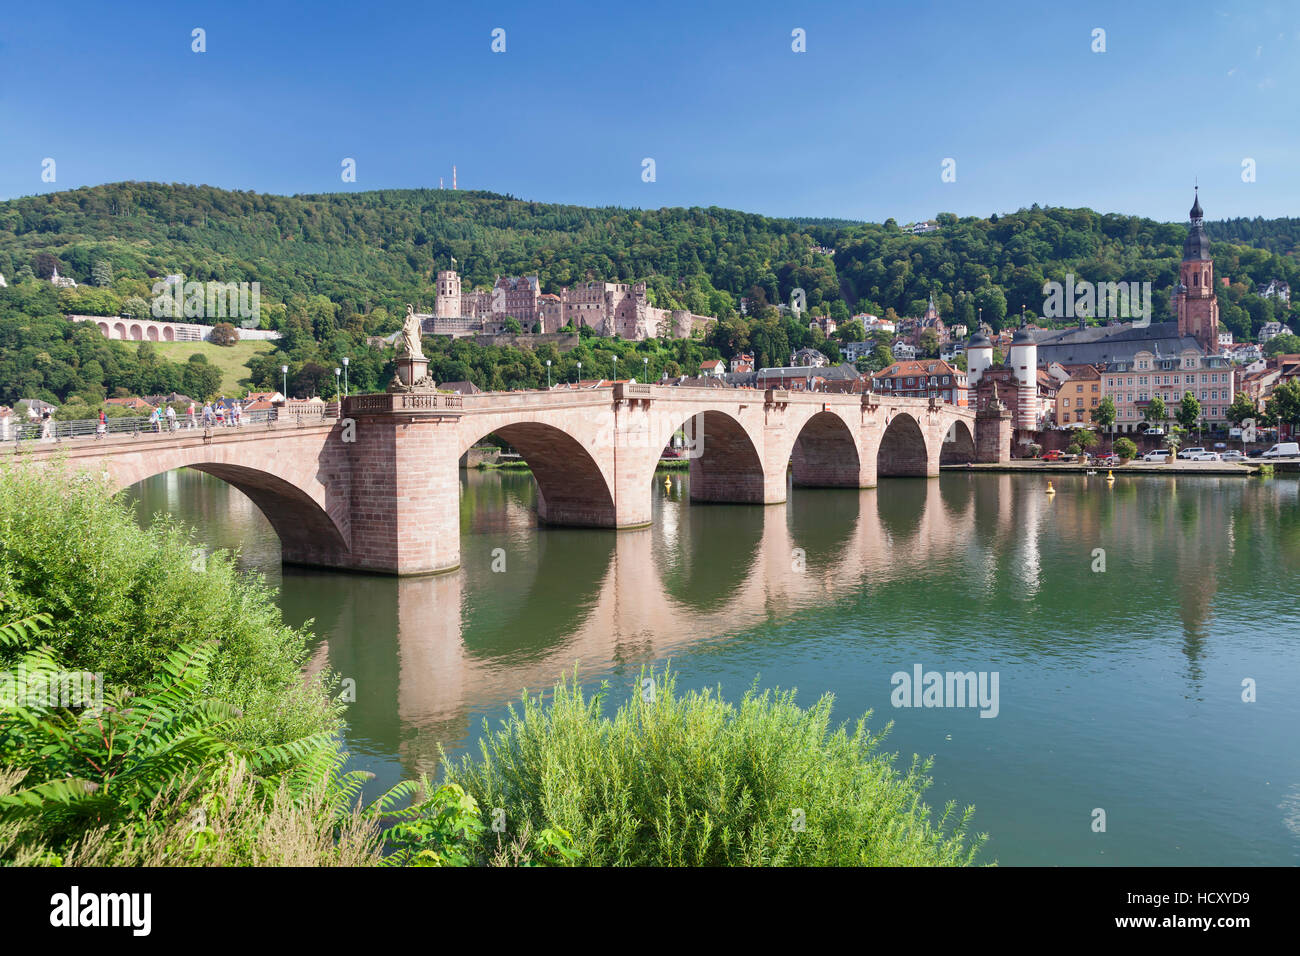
column 632, row 391
column 399, row 402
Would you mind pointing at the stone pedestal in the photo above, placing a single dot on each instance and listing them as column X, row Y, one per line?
column 412, row 374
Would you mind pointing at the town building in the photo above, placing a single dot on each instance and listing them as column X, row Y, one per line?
column 713, row 367
column 808, row 357
column 903, row 350
column 742, row 363
column 931, row 378
column 1271, row 330
column 826, row 323
column 1078, row 396
column 798, row 379
column 1276, row 289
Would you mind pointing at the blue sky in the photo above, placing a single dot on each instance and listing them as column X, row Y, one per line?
column 857, row 127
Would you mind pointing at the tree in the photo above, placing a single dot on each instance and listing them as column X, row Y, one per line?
column 1284, row 344
column 223, row 333
column 102, row 273
column 136, row 307
column 930, row 343
column 1103, row 416
column 1155, row 410
column 852, row 331
column 1125, row 448
column 1189, row 411
column 44, row 265
column 1085, row 439
column 200, row 380
column 513, row 326
column 1284, row 406
column 1241, row 408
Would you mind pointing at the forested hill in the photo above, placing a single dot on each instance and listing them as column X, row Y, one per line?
column 363, row 250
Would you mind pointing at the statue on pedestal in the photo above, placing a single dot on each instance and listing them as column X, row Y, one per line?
column 412, row 367
column 411, row 334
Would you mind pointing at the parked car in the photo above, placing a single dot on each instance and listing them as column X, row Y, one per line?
column 1286, row 449
column 1054, row 455
column 1190, row 454
column 1154, row 430
column 1161, row 454
column 1109, row 461
column 1232, row 456
column 1203, row 456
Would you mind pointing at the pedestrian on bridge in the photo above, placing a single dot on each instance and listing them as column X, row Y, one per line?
column 193, row 422
column 155, row 421
column 207, row 414
column 102, row 428
column 171, row 419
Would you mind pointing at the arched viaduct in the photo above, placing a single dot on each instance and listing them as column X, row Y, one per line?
column 378, row 489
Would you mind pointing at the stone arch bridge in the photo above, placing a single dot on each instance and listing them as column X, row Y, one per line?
column 377, row 489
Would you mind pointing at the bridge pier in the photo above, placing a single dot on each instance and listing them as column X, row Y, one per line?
column 405, row 483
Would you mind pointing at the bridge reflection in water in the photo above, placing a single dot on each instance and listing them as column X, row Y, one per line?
column 449, row 646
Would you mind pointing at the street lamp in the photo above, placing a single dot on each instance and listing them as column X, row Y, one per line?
column 284, row 371
column 338, row 388
column 579, row 373
column 615, row 368
column 646, row 362
column 548, row 375
column 346, row 360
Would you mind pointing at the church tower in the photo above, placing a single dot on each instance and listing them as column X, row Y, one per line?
column 1195, row 303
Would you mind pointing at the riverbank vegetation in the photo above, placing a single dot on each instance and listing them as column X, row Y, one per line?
column 203, row 743
column 691, row 780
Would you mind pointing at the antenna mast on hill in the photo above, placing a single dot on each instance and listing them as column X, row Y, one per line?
column 453, row 177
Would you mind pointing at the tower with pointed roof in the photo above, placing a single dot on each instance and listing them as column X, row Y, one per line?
column 1194, row 301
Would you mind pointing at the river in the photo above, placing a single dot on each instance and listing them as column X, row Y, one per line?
column 1124, row 626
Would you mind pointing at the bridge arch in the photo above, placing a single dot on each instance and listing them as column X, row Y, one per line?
column 826, row 454
column 725, row 462
column 137, row 334
column 958, row 444
column 903, row 449
column 152, row 333
column 119, row 330
column 571, row 487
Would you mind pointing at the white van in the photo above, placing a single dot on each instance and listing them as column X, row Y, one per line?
column 1286, row 449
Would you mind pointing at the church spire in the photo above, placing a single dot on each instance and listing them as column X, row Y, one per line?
column 1196, row 215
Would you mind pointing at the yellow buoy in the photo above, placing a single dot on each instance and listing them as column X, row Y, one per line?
column 1050, row 489
column 668, row 483
column 1110, row 475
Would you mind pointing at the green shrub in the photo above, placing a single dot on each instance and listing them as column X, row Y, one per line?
column 1126, row 449
column 122, row 599
column 694, row 781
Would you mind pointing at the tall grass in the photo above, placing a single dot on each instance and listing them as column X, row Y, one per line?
column 691, row 780
column 122, row 598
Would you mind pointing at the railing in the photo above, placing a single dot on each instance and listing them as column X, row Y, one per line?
column 58, row 431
